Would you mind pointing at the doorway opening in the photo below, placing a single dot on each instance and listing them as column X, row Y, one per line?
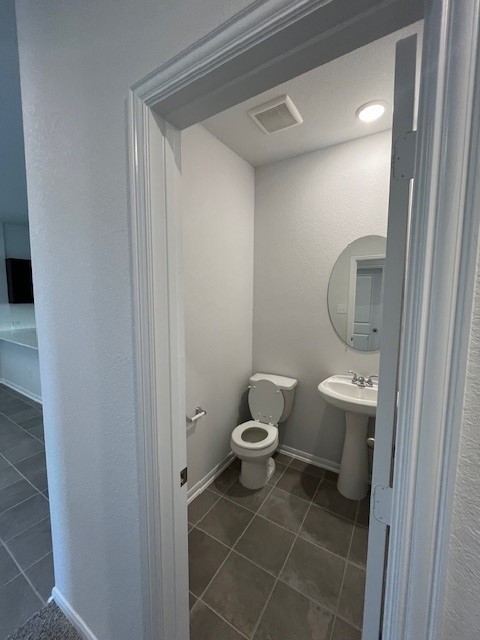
column 155, row 163
column 284, row 260
column 26, row 559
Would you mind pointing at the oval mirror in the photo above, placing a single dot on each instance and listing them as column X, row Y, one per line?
column 355, row 293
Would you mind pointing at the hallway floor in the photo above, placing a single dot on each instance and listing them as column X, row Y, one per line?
column 26, row 566
column 285, row 562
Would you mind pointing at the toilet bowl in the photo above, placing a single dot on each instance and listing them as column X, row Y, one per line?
column 254, row 443
column 270, row 399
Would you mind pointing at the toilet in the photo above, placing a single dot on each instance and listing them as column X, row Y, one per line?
column 270, row 398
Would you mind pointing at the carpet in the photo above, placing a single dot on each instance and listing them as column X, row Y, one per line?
column 48, row 624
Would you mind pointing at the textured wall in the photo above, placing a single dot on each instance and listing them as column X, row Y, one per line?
column 77, row 61
column 462, row 611
column 218, row 212
column 307, row 210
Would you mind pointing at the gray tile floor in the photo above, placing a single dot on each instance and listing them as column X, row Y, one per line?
column 26, row 566
column 286, row 562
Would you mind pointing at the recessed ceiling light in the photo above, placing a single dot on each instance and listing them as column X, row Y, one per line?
column 371, row 111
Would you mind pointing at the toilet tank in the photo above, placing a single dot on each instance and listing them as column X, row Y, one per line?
column 287, row 385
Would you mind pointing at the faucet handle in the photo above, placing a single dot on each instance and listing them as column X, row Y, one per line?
column 369, row 381
column 355, row 376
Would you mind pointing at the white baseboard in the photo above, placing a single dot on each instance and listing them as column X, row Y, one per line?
column 72, row 616
column 209, row 478
column 202, row 484
column 308, row 457
column 24, row 392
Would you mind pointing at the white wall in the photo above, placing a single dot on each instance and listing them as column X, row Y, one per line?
column 77, row 61
column 218, row 219
column 461, row 611
column 307, row 210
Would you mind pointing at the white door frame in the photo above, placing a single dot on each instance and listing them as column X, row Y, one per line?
column 352, row 287
column 277, row 42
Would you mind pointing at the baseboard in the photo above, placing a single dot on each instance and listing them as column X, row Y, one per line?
column 72, row 616
column 308, row 457
column 209, row 478
column 202, row 484
column 18, row 389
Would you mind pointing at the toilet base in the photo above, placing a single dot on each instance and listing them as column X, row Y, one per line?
column 256, row 474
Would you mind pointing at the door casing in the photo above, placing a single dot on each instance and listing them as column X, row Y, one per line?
column 258, row 48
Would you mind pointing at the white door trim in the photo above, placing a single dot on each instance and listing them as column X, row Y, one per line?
column 445, row 182
column 352, row 287
column 441, row 269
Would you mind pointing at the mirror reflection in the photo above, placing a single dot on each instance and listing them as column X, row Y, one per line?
column 355, row 293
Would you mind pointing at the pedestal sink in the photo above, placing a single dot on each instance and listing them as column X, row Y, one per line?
column 359, row 403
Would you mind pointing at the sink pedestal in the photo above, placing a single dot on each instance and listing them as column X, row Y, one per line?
column 353, row 477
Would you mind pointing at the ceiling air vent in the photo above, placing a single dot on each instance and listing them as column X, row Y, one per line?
column 276, row 115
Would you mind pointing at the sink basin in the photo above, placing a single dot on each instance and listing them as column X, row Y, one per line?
column 359, row 404
column 339, row 391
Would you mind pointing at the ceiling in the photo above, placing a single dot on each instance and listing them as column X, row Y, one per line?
column 327, row 98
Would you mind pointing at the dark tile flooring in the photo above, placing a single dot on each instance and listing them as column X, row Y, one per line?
column 26, row 566
column 286, row 562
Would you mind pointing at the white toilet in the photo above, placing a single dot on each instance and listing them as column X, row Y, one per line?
column 270, row 399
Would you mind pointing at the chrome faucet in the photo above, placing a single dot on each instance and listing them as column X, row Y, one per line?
column 358, row 380
column 369, row 381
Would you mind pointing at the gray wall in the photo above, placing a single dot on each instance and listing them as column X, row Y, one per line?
column 218, row 213
column 462, row 613
column 307, row 210
column 77, row 61
column 13, row 187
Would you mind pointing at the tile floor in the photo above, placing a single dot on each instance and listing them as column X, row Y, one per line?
column 26, row 566
column 286, row 562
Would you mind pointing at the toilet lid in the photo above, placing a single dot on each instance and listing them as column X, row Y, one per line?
column 266, row 402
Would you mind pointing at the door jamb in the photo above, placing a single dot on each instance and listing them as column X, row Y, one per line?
column 443, row 245
column 438, row 305
column 354, row 260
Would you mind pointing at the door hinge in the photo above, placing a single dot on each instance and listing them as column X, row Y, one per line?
column 382, row 503
column 404, row 156
column 183, row 476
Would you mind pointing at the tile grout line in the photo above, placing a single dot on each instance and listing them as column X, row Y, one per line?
column 224, row 495
column 25, row 478
column 23, row 501
column 263, row 568
column 344, row 573
column 221, row 618
column 39, row 559
column 27, row 529
column 231, row 550
column 275, row 486
column 235, row 550
column 25, row 430
column 285, row 562
column 22, row 572
column 320, row 479
column 219, row 496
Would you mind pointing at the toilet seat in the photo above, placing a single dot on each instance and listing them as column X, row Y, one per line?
column 266, row 402
column 251, row 443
